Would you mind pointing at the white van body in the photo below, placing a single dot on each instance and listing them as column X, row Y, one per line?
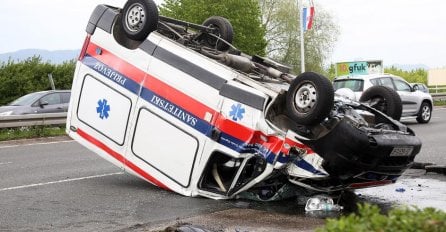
column 141, row 112
column 188, row 123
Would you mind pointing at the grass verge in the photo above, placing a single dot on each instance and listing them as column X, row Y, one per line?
column 440, row 103
column 31, row 132
column 369, row 218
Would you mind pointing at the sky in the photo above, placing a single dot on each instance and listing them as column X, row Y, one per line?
column 395, row 31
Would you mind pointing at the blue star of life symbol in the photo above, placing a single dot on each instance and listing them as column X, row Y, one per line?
column 103, row 109
column 237, row 112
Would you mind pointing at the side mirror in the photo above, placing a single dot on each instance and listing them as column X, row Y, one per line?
column 415, row 88
column 43, row 103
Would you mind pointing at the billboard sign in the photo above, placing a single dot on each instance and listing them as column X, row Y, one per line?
column 436, row 77
column 359, row 68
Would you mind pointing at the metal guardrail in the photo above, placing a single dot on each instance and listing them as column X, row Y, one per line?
column 439, row 96
column 12, row 121
column 437, row 89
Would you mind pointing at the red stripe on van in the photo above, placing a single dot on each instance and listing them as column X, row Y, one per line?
column 121, row 158
column 117, row 63
column 177, row 97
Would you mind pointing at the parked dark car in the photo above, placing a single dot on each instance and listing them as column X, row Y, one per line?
column 52, row 101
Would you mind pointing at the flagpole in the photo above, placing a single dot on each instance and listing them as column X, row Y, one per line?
column 302, row 52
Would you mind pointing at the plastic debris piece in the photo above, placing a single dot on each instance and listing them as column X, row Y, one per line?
column 400, row 190
column 321, row 203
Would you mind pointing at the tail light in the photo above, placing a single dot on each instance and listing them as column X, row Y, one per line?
column 84, row 47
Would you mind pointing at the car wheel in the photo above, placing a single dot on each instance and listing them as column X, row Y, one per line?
column 383, row 99
column 139, row 19
column 223, row 29
column 425, row 113
column 309, row 99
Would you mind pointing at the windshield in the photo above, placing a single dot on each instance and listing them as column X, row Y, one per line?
column 353, row 84
column 26, row 100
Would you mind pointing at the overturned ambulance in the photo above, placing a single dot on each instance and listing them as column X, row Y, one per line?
column 176, row 104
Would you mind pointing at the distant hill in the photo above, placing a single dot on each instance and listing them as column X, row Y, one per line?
column 54, row 57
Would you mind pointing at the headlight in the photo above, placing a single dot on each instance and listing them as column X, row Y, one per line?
column 6, row 113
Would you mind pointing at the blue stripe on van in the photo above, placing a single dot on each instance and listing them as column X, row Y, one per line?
column 176, row 111
column 111, row 74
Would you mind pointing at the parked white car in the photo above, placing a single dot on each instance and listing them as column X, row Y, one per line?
column 414, row 103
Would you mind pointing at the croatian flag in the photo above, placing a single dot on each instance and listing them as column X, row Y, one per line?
column 307, row 15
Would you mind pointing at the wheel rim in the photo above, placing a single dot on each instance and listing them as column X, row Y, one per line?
column 305, row 98
column 426, row 113
column 135, row 17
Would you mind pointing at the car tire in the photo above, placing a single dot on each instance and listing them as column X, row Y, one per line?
column 309, row 99
column 384, row 99
column 425, row 113
column 139, row 19
column 223, row 30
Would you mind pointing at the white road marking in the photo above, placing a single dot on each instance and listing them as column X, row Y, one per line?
column 32, row 144
column 59, row 181
column 5, row 163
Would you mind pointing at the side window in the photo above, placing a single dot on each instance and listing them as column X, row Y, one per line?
column 52, row 99
column 386, row 81
column 65, row 97
column 375, row 81
column 402, row 86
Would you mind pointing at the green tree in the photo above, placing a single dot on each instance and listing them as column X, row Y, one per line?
column 31, row 75
column 331, row 71
column 281, row 19
column 244, row 15
column 413, row 76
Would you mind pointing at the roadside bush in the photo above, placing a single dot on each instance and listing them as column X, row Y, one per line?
column 369, row 218
column 413, row 76
column 31, row 75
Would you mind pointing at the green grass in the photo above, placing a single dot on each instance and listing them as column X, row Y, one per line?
column 440, row 103
column 31, row 132
column 369, row 218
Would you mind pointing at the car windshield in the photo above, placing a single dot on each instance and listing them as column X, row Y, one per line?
column 354, row 84
column 26, row 100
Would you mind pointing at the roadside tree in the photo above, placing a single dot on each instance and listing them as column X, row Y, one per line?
column 245, row 17
column 282, row 19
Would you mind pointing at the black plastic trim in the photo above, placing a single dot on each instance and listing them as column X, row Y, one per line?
column 148, row 47
column 242, row 96
column 103, row 17
column 409, row 103
column 107, row 20
column 190, row 68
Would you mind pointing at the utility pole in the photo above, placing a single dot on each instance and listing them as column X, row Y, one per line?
column 302, row 47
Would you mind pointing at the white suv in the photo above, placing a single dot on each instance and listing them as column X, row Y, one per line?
column 414, row 102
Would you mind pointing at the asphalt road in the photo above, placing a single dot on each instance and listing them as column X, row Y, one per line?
column 64, row 187
column 433, row 136
column 61, row 186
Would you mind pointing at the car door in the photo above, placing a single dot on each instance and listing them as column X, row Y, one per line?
column 408, row 97
column 50, row 103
